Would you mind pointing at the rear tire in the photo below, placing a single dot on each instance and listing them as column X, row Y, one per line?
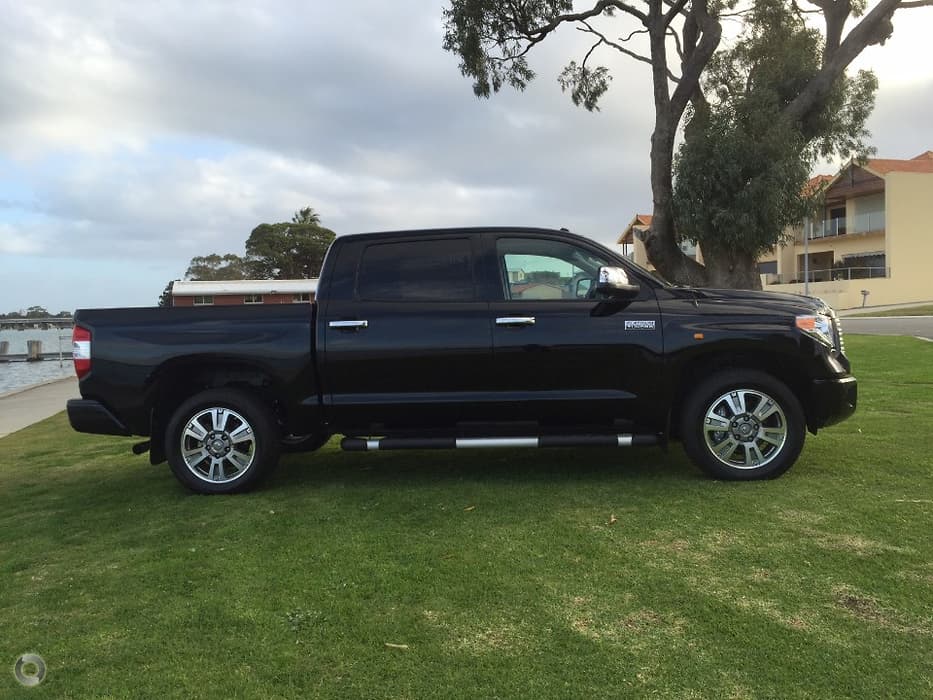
column 222, row 441
column 742, row 425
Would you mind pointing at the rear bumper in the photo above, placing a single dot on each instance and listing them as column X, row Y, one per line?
column 88, row 416
column 832, row 401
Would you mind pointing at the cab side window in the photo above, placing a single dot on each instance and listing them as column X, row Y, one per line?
column 431, row 270
column 541, row 269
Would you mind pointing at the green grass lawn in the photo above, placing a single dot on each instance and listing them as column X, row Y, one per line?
column 514, row 574
column 926, row 310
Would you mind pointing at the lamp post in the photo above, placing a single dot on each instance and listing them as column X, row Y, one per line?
column 807, row 224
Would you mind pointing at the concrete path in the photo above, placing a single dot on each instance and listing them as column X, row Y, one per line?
column 23, row 407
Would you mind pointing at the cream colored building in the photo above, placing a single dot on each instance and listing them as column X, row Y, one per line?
column 874, row 234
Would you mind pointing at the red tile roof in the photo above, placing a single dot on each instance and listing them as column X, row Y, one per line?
column 640, row 222
column 918, row 164
column 815, row 182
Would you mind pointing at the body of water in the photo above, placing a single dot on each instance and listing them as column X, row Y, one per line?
column 16, row 375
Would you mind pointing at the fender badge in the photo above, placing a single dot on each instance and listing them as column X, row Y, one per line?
column 639, row 325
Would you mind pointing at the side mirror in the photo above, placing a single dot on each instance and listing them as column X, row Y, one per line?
column 613, row 282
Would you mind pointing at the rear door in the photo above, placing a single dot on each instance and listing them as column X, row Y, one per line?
column 561, row 356
column 408, row 345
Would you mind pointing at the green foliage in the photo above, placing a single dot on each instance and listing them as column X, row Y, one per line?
column 35, row 312
column 586, row 85
column 306, row 216
column 741, row 171
column 165, row 298
column 218, row 267
column 491, row 40
column 286, row 250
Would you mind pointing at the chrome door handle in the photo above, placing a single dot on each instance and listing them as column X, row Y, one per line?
column 348, row 325
column 515, row 321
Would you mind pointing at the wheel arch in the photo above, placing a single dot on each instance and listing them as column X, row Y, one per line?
column 698, row 368
column 179, row 380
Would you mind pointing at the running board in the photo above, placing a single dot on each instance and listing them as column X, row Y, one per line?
column 355, row 444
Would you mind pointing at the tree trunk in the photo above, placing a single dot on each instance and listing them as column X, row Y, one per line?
column 661, row 239
column 727, row 268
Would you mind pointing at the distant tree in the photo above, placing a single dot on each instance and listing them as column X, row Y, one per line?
column 165, row 298
column 286, row 250
column 64, row 314
column 292, row 250
column 306, row 216
column 218, row 267
column 37, row 312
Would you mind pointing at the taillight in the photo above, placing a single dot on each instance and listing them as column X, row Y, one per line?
column 81, row 350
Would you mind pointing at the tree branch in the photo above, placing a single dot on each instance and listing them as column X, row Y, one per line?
column 675, row 10
column 594, row 11
column 872, row 29
column 588, row 29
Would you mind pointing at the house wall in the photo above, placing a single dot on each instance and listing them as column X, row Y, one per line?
column 907, row 241
column 909, row 213
column 237, row 299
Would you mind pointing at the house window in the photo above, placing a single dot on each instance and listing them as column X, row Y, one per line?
column 767, row 268
column 837, row 217
column 302, row 298
column 203, row 301
column 252, row 299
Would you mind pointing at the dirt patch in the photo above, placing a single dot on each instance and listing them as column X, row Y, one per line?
column 868, row 609
column 800, row 516
column 860, row 546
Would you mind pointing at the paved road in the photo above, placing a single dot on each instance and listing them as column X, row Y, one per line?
column 919, row 326
column 21, row 409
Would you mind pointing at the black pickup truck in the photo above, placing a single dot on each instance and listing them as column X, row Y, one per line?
column 457, row 338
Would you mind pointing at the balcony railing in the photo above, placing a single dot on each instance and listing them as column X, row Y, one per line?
column 840, row 225
column 830, row 227
column 832, row 274
column 868, row 222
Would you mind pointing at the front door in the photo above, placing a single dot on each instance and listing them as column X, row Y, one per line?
column 561, row 356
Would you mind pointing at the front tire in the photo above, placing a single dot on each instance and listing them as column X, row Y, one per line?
column 742, row 425
column 222, row 441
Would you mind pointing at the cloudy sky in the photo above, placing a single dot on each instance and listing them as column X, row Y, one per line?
column 134, row 136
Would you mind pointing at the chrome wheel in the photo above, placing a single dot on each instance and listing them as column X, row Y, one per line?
column 218, row 445
column 745, row 429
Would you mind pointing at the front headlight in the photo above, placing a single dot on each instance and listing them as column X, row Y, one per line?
column 817, row 326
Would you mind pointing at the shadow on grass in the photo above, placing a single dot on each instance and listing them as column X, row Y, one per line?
column 434, row 467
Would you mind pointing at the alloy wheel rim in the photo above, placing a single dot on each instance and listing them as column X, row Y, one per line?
column 218, row 445
column 745, row 429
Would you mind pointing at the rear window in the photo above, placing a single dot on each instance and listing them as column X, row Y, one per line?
column 437, row 270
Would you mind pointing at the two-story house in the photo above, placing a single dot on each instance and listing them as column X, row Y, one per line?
column 873, row 234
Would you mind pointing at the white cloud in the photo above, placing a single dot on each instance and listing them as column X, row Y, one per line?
column 160, row 131
column 16, row 242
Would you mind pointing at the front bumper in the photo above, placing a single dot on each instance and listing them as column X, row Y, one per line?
column 87, row 416
column 831, row 401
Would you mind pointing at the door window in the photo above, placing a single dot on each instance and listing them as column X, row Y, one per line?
column 541, row 269
column 436, row 270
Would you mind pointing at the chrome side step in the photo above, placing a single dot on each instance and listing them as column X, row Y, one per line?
column 357, row 444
